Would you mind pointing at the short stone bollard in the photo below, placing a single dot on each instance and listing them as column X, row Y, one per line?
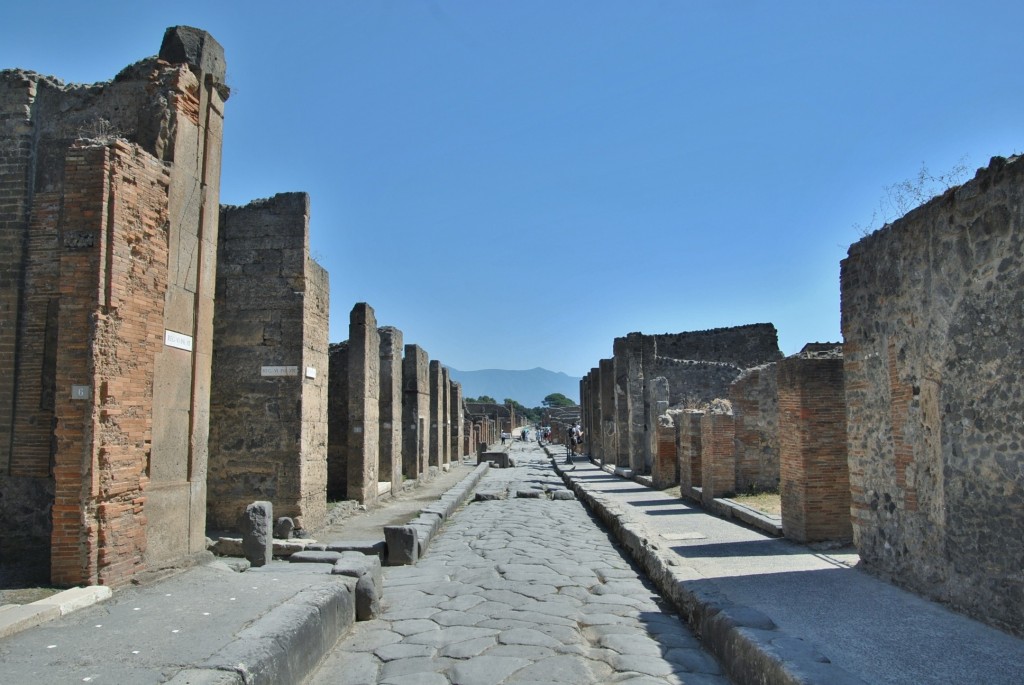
column 256, row 524
column 369, row 581
column 283, row 528
column 403, row 547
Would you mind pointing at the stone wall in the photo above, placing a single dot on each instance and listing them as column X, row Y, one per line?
column 741, row 346
column 755, row 404
column 933, row 337
column 814, row 482
column 109, row 246
column 268, row 434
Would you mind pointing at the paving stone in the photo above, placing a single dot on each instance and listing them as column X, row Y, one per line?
column 401, row 650
column 526, row 636
column 404, row 668
column 359, row 670
column 693, row 660
column 462, row 603
column 404, row 614
column 564, row 668
column 531, row 652
column 467, row 648
column 456, row 618
column 448, row 636
column 421, row 679
column 641, row 664
column 368, row 641
column 414, row 626
column 486, row 670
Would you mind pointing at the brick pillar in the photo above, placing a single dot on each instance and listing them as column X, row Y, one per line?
column 666, row 461
column 415, row 411
column 688, row 438
column 718, row 456
column 363, row 404
column 814, row 474
column 391, row 406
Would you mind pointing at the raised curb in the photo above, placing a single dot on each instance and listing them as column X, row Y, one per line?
column 747, row 643
column 283, row 646
column 431, row 517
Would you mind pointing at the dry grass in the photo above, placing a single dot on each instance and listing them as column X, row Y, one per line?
column 767, row 502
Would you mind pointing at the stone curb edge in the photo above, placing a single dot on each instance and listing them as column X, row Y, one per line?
column 15, row 618
column 285, row 645
column 748, row 644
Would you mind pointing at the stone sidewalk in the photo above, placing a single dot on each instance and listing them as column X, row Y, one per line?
column 775, row 611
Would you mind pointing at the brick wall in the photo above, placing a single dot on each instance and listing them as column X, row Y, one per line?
column 113, row 277
column 933, row 330
column 268, row 429
column 755, row 406
column 666, row 460
column 814, row 475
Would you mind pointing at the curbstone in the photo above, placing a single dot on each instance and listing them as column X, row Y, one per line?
column 75, row 598
column 15, row 618
column 403, row 548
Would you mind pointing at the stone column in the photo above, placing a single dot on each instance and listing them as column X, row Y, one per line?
column 457, row 421
column 337, row 422
column 363, row 404
column 814, row 474
column 755, row 406
column 415, row 411
column 446, row 417
column 391, row 406
column 655, row 404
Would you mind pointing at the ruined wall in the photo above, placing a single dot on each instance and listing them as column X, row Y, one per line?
column 655, row 405
column 814, row 481
column 742, row 346
column 415, row 411
column 755, row 404
column 337, row 422
column 391, row 345
column 164, row 114
column 665, row 473
column 694, row 384
column 268, row 434
column 933, row 338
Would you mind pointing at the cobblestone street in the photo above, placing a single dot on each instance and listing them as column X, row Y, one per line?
column 525, row 589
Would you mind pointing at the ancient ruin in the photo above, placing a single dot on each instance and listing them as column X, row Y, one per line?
column 932, row 330
column 110, row 229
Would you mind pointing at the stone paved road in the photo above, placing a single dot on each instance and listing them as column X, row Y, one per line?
column 520, row 590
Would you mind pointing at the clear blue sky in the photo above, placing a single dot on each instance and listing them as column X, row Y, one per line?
column 515, row 183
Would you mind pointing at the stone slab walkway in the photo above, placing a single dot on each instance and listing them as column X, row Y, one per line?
column 525, row 589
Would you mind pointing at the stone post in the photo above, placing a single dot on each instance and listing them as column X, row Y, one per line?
column 391, row 406
column 415, row 411
column 436, row 400
column 609, row 437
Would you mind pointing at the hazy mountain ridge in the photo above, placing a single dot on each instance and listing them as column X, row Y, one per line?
column 528, row 388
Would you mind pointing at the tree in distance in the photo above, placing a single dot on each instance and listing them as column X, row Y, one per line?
column 557, row 399
column 483, row 399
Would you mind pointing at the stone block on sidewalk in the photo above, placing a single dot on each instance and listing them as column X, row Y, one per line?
column 563, row 495
column 75, row 598
column 369, row 582
column 256, row 526
column 377, row 548
column 314, row 557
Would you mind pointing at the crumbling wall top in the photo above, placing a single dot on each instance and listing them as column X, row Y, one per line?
column 196, row 48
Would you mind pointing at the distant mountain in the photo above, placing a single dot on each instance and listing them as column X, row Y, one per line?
column 528, row 388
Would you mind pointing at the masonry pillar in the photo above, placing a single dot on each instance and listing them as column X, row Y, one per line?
column 446, row 417
column 688, row 437
column 391, row 406
column 415, row 411
column 436, row 398
column 609, row 437
column 457, row 421
column 337, row 422
column 666, row 461
column 655, row 404
column 718, row 455
column 814, row 474
column 363, row 404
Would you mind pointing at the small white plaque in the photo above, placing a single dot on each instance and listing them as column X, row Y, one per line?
column 310, row 372
column 80, row 392
column 178, row 340
column 279, row 371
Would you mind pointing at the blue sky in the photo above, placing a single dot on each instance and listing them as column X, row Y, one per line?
column 514, row 184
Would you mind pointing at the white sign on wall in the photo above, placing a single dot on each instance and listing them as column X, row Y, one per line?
column 310, row 372
column 279, row 371
column 178, row 340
